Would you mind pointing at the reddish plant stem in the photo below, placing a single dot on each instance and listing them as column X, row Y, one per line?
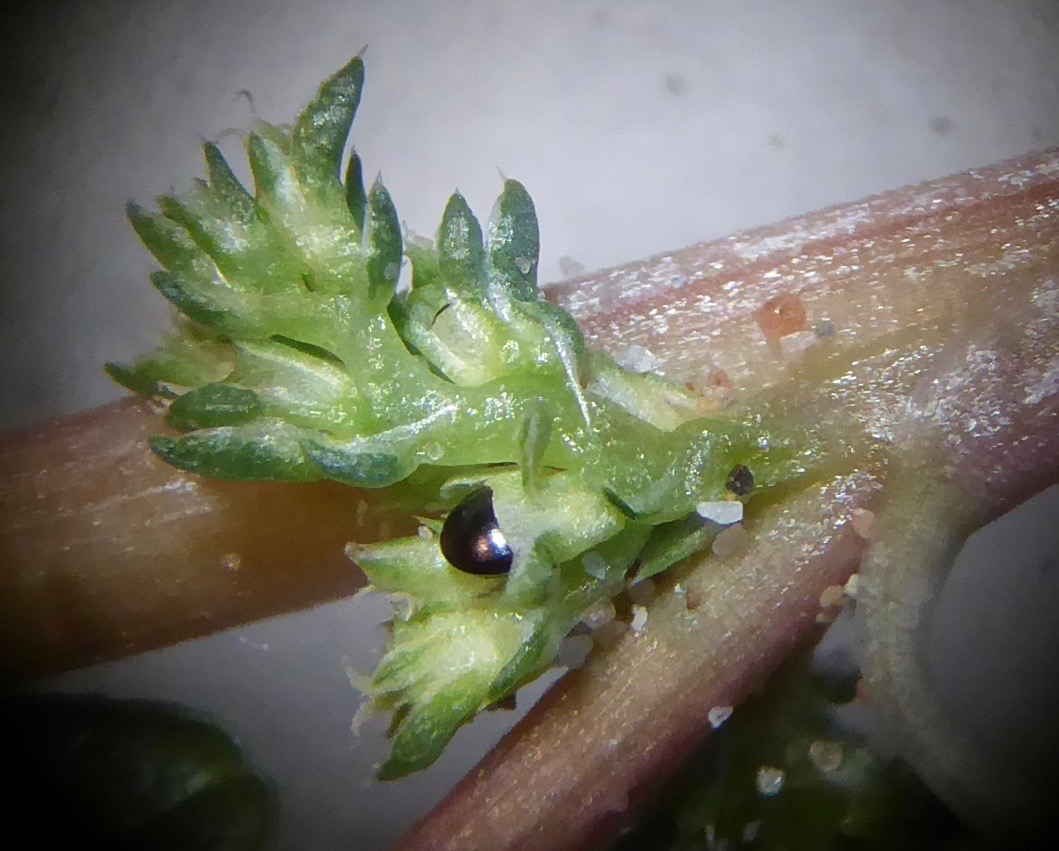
column 106, row 551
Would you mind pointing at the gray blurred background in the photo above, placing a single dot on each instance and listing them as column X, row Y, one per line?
column 637, row 126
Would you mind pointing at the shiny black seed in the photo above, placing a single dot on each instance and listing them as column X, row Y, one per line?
column 471, row 539
column 740, row 480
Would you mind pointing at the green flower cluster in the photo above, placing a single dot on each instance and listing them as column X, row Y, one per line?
column 297, row 357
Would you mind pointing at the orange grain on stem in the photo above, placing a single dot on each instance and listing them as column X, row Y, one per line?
column 781, row 316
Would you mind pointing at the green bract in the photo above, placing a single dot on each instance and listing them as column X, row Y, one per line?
column 297, row 359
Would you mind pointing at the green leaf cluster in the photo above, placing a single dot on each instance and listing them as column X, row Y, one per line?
column 298, row 357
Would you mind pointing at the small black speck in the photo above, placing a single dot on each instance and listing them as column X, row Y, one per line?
column 740, row 480
column 940, row 125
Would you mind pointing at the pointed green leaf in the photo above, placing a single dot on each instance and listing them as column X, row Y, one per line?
column 136, row 377
column 646, row 396
column 170, row 244
column 250, row 316
column 423, row 734
column 460, row 250
column 514, row 243
column 440, row 670
column 219, row 307
column 178, row 209
column 568, row 344
column 536, row 653
column 358, row 466
column 183, row 360
column 415, row 567
column 226, row 185
column 356, row 197
column 322, row 129
column 673, row 542
column 194, row 300
column 246, row 249
column 300, row 383
column 270, row 163
column 266, row 453
column 215, row 405
column 383, row 235
column 209, row 231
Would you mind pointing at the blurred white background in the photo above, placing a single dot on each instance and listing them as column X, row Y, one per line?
column 638, row 127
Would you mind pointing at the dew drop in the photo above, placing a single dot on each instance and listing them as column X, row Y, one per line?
column 598, row 615
column 827, row 756
column 769, row 780
column 718, row 715
column 637, row 359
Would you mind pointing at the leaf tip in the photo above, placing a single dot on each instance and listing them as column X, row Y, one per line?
column 163, row 447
